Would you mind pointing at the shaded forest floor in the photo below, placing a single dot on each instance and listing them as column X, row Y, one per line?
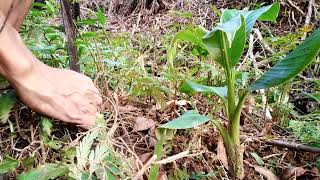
column 133, row 113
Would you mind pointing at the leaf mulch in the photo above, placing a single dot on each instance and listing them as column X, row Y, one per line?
column 134, row 137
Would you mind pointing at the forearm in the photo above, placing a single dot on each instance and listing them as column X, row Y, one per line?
column 16, row 9
column 15, row 58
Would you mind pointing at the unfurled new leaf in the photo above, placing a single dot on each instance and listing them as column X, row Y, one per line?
column 291, row 65
column 226, row 41
column 190, row 119
column 266, row 13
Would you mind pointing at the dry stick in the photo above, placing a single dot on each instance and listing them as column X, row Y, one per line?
column 296, row 7
column 292, row 145
column 263, row 43
column 145, row 168
column 70, row 33
column 308, row 17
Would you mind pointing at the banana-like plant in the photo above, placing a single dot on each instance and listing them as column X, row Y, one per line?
column 225, row 44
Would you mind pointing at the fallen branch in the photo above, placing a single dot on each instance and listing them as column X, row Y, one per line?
column 292, row 145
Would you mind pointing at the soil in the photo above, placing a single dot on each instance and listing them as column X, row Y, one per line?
column 202, row 141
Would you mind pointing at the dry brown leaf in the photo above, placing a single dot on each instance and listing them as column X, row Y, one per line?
column 265, row 173
column 145, row 157
column 221, row 153
column 162, row 176
column 293, row 173
column 152, row 141
column 315, row 171
column 127, row 108
column 249, row 105
column 143, row 123
column 266, row 130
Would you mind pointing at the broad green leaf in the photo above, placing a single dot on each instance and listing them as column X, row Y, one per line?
column 45, row 172
column 8, row 164
column 101, row 17
column 190, row 119
column 7, row 101
column 218, row 91
column 192, row 35
column 226, row 41
column 291, row 65
column 266, row 13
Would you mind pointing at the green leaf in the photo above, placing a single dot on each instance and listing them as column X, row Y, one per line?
column 7, row 101
column 315, row 96
column 266, row 13
column 218, row 91
column 88, row 22
column 46, row 125
column 88, row 176
column 258, row 159
column 226, row 41
column 83, row 150
column 50, row 7
column 190, row 119
column 291, row 65
column 318, row 163
column 28, row 163
column 3, row 83
column 191, row 35
column 101, row 17
column 45, row 172
column 8, row 164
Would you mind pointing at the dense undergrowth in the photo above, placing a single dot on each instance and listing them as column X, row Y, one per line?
column 130, row 63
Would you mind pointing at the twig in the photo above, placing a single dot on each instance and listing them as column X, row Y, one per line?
column 263, row 43
column 308, row 17
column 173, row 158
column 267, row 114
column 296, row 7
column 145, row 168
column 292, row 145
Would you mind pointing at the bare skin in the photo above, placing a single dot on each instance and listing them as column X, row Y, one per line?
column 59, row 93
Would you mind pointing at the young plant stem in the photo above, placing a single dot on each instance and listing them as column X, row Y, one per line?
column 225, row 136
column 229, row 77
column 158, row 152
column 232, row 138
column 234, row 128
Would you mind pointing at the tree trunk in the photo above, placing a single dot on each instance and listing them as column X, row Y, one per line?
column 71, row 32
